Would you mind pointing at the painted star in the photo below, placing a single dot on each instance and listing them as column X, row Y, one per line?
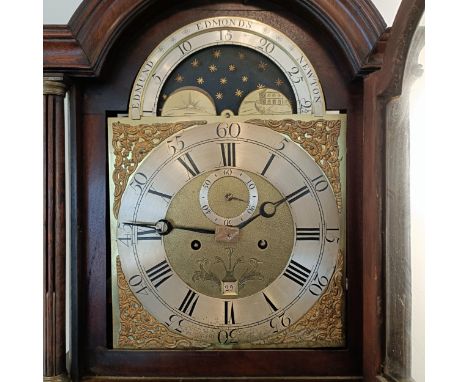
column 217, row 53
column 232, row 67
column 279, row 82
column 260, row 86
column 195, row 63
column 241, row 55
column 219, row 95
column 223, row 81
column 200, row 80
column 179, row 78
column 213, row 68
column 245, row 78
column 239, row 93
column 262, row 66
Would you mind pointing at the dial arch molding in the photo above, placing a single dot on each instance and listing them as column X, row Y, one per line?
column 81, row 48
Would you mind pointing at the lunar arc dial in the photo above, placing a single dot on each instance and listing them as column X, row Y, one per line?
column 222, row 31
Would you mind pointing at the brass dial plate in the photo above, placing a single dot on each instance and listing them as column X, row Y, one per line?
column 224, row 321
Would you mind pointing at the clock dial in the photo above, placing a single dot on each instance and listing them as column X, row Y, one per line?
column 228, row 248
column 228, row 185
column 227, row 58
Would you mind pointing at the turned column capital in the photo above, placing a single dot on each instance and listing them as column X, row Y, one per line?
column 55, row 85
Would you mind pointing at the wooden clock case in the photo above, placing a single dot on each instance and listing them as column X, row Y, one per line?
column 96, row 58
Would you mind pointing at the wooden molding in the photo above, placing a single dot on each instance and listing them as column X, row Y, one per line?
column 54, row 230
column 398, row 46
column 81, row 47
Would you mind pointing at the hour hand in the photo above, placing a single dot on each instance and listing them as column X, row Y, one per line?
column 164, row 227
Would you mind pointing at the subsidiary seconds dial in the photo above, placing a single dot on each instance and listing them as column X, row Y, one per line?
column 231, row 185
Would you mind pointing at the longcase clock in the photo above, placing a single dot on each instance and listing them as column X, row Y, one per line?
column 218, row 190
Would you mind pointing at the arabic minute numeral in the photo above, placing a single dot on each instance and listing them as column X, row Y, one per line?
column 138, row 181
column 279, row 323
column 320, row 183
column 136, row 281
column 225, row 35
column 175, row 145
column 318, row 285
column 282, row 144
column 333, row 237
column 175, row 323
column 185, row 47
column 224, row 130
column 227, row 337
column 294, row 74
column 305, row 105
column 266, row 46
column 125, row 234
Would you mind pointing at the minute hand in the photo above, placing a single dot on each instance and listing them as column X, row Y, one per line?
column 267, row 210
column 164, row 227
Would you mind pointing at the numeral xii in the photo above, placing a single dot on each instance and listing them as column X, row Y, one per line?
column 228, row 153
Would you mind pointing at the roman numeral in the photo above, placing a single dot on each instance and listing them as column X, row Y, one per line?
column 267, row 166
column 159, row 273
column 161, row 194
column 188, row 305
column 229, row 313
column 297, row 273
column 228, row 152
column 307, row 233
column 191, row 167
column 293, row 196
column 147, row 234
column 270, row 303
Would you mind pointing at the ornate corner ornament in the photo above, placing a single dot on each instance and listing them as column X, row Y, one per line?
column 321, row 326
column 319, row 138
column 132, row 143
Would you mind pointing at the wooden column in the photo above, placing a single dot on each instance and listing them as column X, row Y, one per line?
column 54, row 230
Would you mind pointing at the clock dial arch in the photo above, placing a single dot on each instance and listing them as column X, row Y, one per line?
column 219, row 32
column 290, row 294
